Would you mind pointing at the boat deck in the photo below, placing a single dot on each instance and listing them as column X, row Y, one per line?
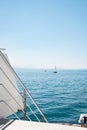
column 6, row 124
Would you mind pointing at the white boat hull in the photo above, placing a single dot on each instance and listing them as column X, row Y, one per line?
column 29, row 125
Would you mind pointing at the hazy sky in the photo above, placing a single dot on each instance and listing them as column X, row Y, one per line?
column 44, row 33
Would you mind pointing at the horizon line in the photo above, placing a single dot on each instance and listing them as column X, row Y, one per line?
column 49, row 68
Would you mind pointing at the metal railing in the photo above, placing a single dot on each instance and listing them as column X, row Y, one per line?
column 14, row 100
column 23, row 87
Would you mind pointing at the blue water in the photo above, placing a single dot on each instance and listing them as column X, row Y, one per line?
column 62, row 96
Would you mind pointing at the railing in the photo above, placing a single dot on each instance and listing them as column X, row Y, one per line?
column 14, row 100
column 27, row 93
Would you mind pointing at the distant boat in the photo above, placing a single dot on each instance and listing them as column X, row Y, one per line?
column 55, row 70
column 45, row 70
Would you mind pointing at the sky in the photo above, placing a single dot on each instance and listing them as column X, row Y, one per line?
column 44, row 33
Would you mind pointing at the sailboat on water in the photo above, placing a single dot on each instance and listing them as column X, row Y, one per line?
column 55, row 70
column 11, row 101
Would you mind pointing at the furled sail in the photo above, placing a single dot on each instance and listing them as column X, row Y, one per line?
column 10, row 98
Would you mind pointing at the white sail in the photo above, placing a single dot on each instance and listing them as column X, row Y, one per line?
column 55, row 70
column 10, row 98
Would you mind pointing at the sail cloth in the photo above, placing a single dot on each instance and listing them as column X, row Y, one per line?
column 10, row 98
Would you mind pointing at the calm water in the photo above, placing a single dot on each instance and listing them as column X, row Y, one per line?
column 62, row 96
